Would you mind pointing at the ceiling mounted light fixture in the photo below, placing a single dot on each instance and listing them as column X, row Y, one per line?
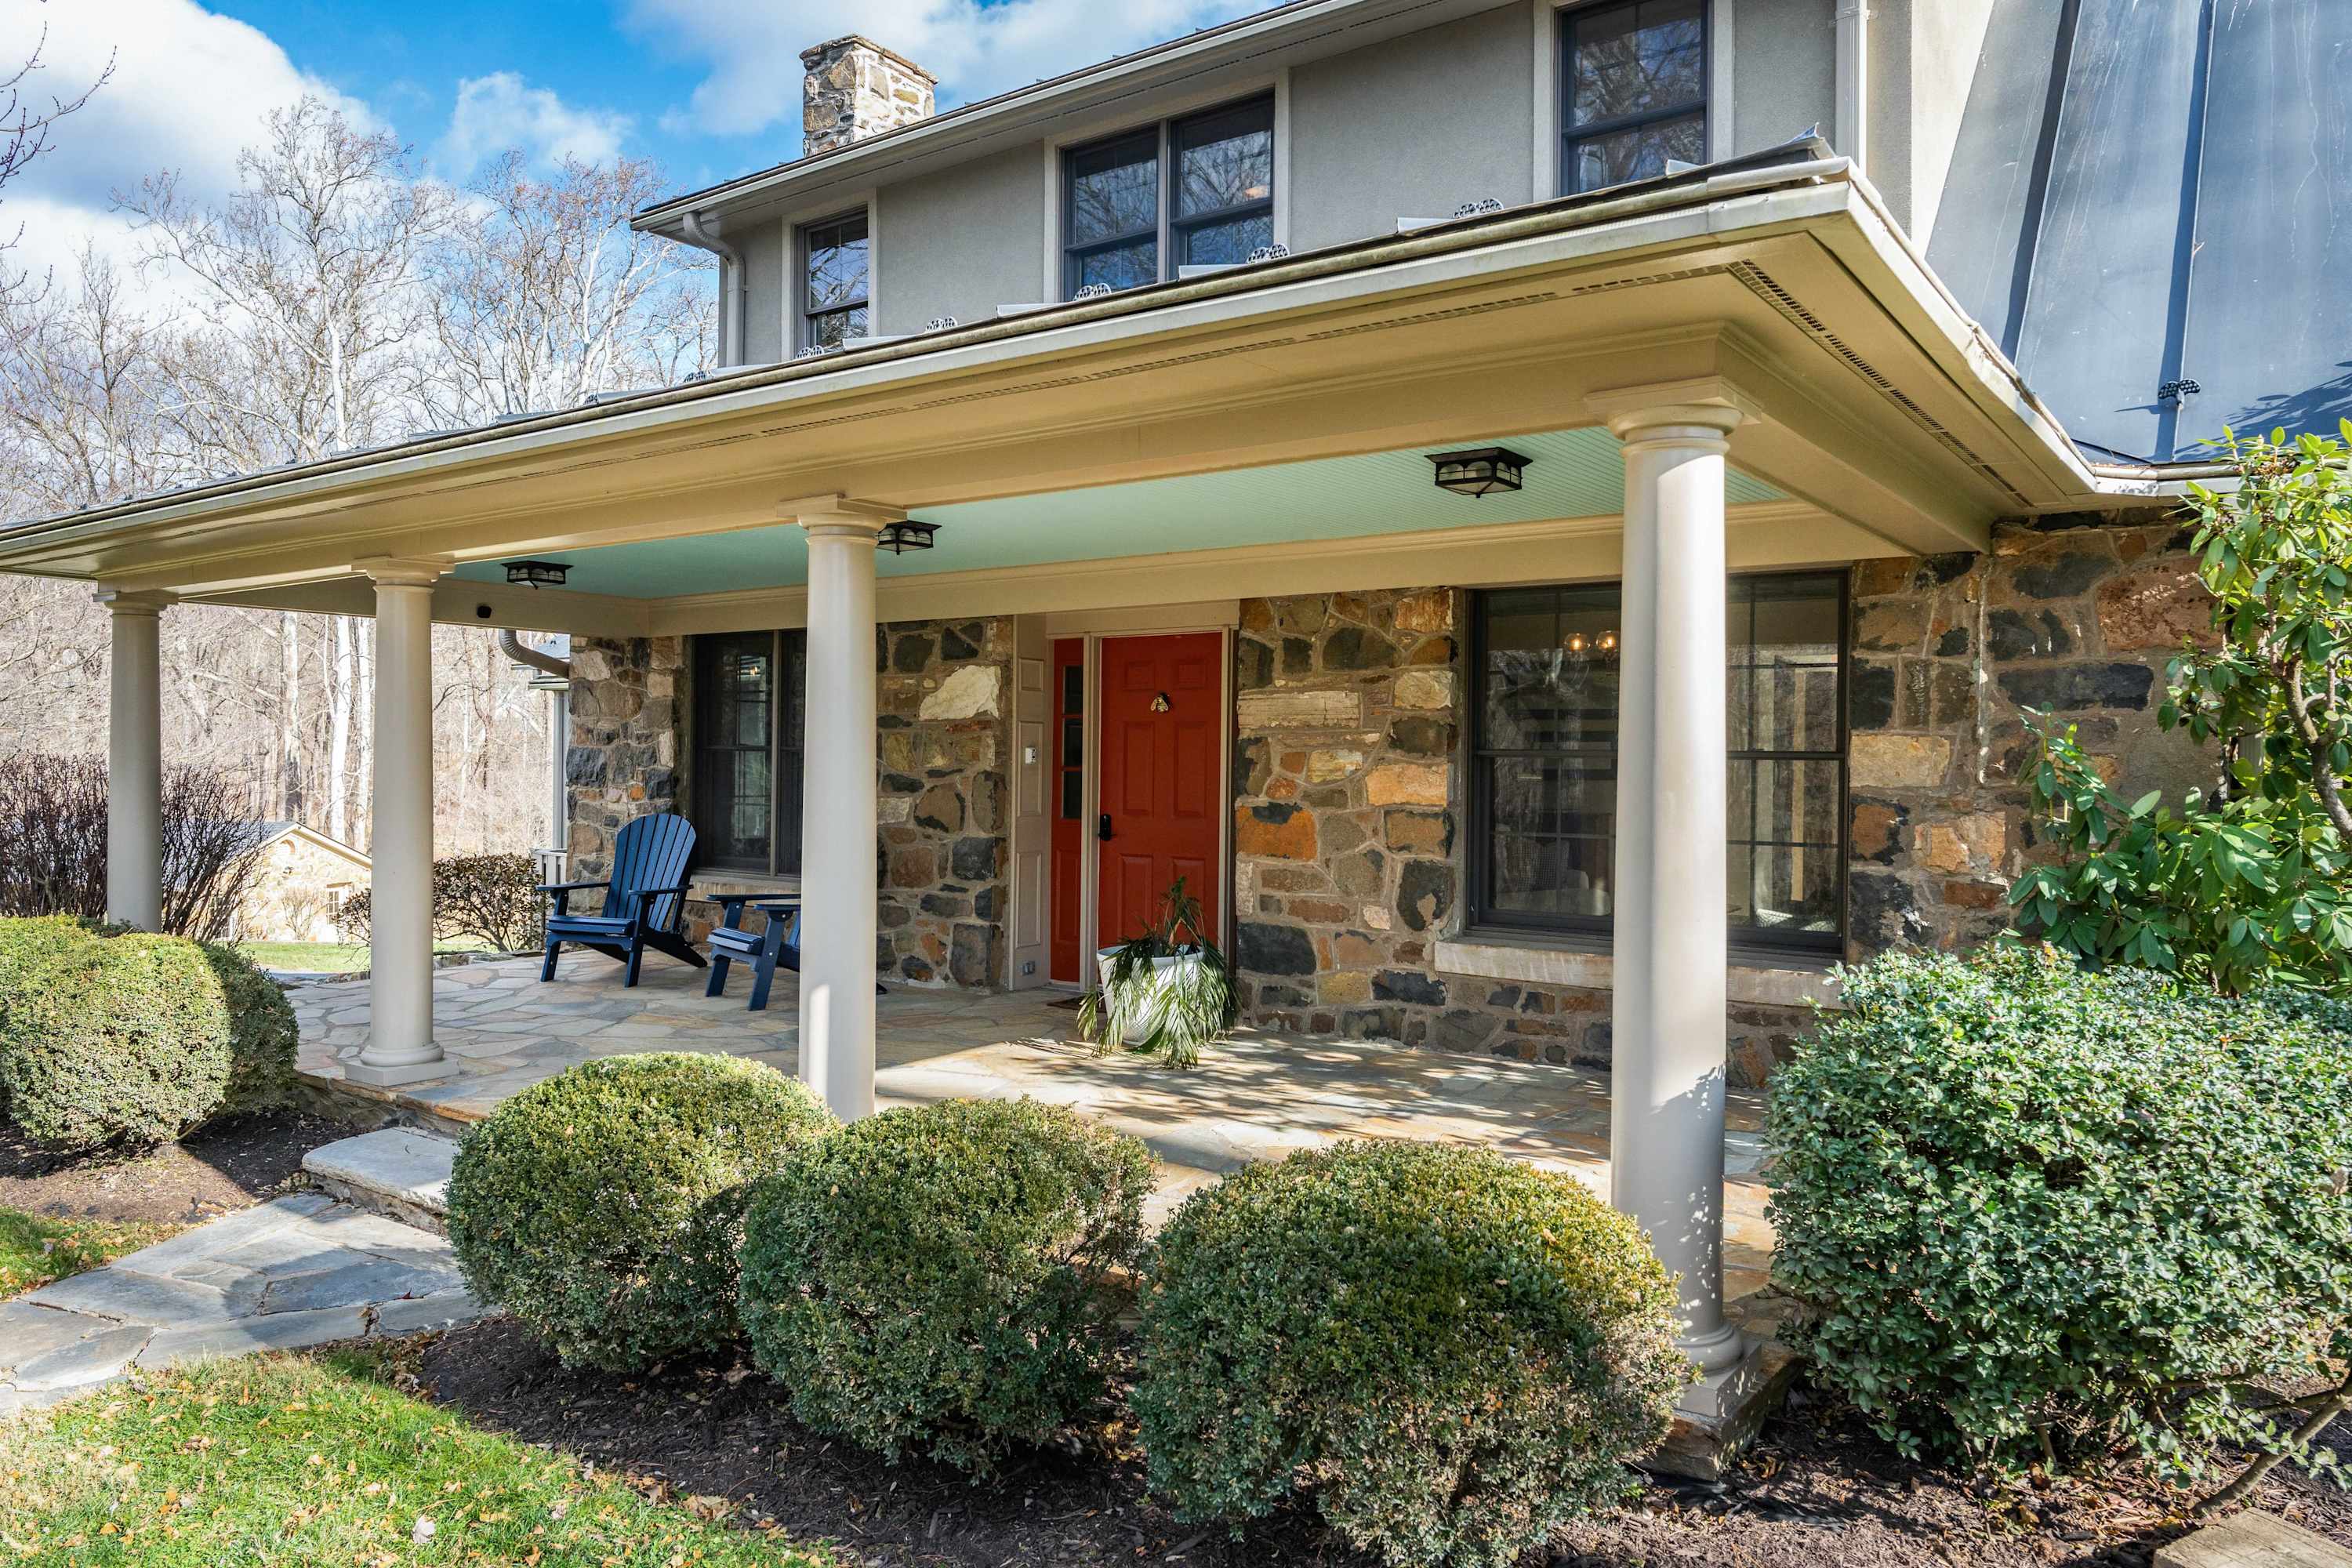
column 1480, row 470
column 537, row 574
column 900, row 537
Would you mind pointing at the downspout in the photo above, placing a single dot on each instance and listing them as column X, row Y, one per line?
column 554, row 678
column 734, row 284
column 1853, row 81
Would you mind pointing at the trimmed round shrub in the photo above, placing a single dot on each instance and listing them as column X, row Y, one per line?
column 603, row 1206
column 2035, row 1210
column 1453, row 1352
column 262, row 1033
column 26, row 941
column 114, row 1040
column 937, row 1280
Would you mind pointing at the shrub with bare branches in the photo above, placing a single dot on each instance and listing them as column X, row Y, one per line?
column 53, row 843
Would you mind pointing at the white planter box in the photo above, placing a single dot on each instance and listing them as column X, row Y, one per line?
column 1163, row 972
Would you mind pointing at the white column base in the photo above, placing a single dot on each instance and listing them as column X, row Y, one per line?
column 396, row 1076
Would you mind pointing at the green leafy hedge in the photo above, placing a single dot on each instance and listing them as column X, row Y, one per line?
column 1452, row 1352
column 936, row 1281
column 127, row 1036
column 603, row 1206
column 493, row 899
column 2037, row 1213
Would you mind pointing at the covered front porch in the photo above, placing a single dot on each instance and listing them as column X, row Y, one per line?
column 1258, row 1095
column 1742, row 369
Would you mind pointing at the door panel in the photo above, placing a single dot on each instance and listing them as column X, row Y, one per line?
column 1161, row 711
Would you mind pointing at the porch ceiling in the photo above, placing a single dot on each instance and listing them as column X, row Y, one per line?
column 1571, row 474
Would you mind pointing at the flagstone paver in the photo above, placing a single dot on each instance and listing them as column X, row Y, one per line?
column 1258, row 1095
column 298, row 1270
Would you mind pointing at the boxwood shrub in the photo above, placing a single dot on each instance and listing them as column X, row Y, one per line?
column 602, row 1206
column 2035, row 1212
column 937, row 1280
column 110, row 1035
column 1452, row 1351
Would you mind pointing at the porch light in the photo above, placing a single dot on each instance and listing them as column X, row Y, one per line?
column 537, row 573
column 900, row 537
column 1479, row 471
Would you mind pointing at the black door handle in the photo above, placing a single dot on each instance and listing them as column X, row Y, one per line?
column 1102, row 828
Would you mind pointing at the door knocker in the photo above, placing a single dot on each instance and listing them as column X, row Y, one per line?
column 1160, row 703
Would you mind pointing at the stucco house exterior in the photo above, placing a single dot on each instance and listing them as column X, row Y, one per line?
column 1094, row 495
column 299, row 882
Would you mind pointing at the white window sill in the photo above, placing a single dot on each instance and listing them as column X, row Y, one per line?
column 1531, row 960
column 708, row 885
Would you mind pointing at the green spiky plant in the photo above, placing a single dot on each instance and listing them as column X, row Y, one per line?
column 1170, row 1014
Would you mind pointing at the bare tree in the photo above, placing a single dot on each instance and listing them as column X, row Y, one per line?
column 27, row 119
column 546, row 294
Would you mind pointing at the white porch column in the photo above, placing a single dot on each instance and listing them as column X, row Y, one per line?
column 134, row 760
column 400, row 1049
column 1671, row 938
column 837, row 813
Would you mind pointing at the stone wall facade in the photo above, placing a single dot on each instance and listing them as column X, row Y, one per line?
column 1349, row 861
column 629, row 711
column 2075, row 617
column 945, row 700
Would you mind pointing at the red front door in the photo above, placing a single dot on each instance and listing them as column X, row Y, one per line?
column 1162, row 711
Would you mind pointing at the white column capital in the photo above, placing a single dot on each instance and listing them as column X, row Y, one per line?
column 1699, row 410
column 134, row 601
column 836, row 513
column 404, row 571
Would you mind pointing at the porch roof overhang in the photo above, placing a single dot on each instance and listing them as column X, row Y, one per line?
column 1887, row 419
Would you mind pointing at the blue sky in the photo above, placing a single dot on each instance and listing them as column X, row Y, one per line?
column 709, row 88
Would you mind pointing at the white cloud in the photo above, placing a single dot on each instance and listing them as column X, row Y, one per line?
column 753, row 46
column 498, row 111
column 190, row 89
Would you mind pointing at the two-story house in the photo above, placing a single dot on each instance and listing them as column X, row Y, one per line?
column 1551, row 517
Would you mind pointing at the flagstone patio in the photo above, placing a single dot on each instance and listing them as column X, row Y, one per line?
column 1258, row 1095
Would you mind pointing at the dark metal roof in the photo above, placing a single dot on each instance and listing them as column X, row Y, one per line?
column 2153, row 193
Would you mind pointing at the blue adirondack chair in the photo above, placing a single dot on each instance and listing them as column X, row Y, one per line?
column 642, row 899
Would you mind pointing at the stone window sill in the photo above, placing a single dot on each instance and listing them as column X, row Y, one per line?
column 1752, row 979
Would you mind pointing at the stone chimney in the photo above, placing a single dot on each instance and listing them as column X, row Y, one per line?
column 855, row 88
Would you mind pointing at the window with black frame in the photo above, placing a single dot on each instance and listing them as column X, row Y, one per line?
column 836, row 281
column 748, row 722
column 1544, row 759
column 1632, row 90
column 1193, row 192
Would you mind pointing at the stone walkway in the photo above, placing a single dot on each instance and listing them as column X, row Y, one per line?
column 1258, row 1095
column 298, row 1270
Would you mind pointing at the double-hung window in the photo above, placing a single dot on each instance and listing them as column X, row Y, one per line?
column 1194, row 191
column 1544, row 759
column 1632, row 90
column 747, row 749
column 836, row 272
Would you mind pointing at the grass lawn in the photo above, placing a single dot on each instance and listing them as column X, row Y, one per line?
column 34, row 1251
column 330, row 957
column 320, row 1459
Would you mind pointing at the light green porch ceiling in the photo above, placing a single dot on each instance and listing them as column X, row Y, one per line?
column 1570, row 473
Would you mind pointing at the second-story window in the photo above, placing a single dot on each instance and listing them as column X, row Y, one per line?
column 1194, row 191
column 1634, row 92
column 835, row 273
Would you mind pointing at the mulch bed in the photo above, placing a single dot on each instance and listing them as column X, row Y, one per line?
column 1817, row 1489
column 232, row 1164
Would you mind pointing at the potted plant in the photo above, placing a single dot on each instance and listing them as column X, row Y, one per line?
column 1168, row 991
